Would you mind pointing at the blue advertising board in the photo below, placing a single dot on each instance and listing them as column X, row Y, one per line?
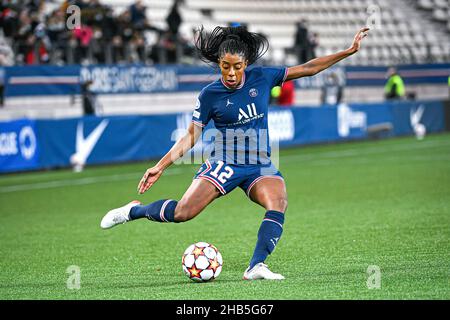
column 123, row 79
column 19, row 146
column 95, row 140
column 41, row 80
column 38, row 144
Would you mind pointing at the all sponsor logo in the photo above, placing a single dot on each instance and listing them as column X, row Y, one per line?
column 350, row 119
column 249, row 113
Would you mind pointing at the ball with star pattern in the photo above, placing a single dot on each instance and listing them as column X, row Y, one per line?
column 202, row 262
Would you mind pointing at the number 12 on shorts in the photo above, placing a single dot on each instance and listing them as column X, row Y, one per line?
column 224, row 175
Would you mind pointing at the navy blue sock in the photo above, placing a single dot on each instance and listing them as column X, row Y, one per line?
column 268, row 235
column 160, row 211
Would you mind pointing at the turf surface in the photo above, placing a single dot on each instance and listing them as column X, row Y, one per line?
column 351, row 206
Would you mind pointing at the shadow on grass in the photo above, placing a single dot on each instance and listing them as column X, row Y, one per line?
column 168, row 284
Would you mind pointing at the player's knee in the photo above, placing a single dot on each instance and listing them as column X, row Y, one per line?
column 283, row 203
column 278, row 204
column 184, row 212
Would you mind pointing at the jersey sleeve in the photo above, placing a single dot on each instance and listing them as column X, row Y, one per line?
column 275, row 76
column 202, row 112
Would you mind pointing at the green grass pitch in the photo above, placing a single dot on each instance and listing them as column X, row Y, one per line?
column 351, row 206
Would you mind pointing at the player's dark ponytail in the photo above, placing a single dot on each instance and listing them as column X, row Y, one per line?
column 233, row 40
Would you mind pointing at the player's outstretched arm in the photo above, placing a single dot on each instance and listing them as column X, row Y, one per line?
column 317, row 65
column 177, row 151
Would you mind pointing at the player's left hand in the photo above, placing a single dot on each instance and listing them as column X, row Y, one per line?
column 361, row 34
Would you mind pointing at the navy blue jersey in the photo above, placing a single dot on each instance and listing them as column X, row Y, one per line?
column 240, row 116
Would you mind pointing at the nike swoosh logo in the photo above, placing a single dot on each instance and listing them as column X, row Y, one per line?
column 84, row 146
column 416, row 115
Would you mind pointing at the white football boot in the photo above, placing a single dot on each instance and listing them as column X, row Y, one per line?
column 118, row 216
column 261, row 271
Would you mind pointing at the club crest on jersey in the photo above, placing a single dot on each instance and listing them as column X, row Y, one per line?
column 253, row 92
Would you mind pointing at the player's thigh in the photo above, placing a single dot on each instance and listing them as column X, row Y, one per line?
column 199, row 194
column 270, row 193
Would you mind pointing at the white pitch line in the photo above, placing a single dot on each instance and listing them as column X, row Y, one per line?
column 365, row 151
column 366, row 160
column 79, row 181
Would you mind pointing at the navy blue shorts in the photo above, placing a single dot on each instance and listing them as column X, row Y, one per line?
column 226, row 177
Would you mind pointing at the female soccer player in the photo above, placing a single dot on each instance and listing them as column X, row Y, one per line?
column 238, row 103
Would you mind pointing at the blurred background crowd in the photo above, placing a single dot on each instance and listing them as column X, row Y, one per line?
column 160, row 32
column 33, row 36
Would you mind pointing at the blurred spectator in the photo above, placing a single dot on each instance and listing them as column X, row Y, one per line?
column 137, row 48
column 6, row 53
column 174, row 21
column 91, row 106
column 118, row 50
column 313, row 43
column 165, row 50
column 332, row 91
column 83, row 36
column 2, row 85
column 449, row 87
column 395, row 87
column 25, row 25
column 58, row 37
column 35, row 51
column 126, row 28
column 287, row 94
column 138, row 16
column 9, row 19
column 301, row 43
column 174, row 18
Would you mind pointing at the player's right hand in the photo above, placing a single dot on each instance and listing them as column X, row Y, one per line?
column 150, row 177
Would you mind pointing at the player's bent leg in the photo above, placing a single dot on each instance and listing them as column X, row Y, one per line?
column 118, row 215
column 271, row 194
column 196, row 198
column 199, row 195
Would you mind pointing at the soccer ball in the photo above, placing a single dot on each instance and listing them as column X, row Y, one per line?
column 202, row 262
